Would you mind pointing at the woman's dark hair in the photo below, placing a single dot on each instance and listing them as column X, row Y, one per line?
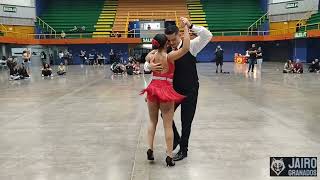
column 159, row 41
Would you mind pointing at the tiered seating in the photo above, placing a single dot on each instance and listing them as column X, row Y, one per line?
column 106, row 19
column 196, row 13
column 231, row 15
column 160, row 9
column 63, row 15
column 313, row 21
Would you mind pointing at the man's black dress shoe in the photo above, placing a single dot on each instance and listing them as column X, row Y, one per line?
column 180, row 155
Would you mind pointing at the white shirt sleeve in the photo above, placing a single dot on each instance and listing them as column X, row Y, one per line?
column 146, row 66
column 203, row 38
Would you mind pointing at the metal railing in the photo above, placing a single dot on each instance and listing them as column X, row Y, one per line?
column 47, row 26
column 307, row 16
column 3, row 29
column 258, row 22
column 134, row 34
column 240, row 33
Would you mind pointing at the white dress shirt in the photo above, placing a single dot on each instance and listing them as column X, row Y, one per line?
column 204, row 36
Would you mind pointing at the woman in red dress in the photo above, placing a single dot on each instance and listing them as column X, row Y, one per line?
column 160, row 93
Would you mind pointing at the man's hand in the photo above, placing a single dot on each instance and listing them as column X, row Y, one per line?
column 155, row 66
column 150, row 55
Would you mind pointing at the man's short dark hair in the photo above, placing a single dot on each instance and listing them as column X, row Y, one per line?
column 172, row 29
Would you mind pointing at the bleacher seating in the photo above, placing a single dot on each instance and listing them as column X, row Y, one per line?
column 103, row 28
column 313, row 21
column 101, row 17
column 156, row 10
column 196, row 13
column 63, row 15
column 230, row 15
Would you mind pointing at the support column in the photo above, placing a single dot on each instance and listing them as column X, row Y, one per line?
column 3, row 50
column 300, row 50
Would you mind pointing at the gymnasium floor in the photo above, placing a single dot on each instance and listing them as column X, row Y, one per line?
column 91, row 125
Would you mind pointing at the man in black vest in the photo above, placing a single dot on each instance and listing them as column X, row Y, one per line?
column 185, row 80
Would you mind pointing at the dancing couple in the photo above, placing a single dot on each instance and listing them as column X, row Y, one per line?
column 174, row 83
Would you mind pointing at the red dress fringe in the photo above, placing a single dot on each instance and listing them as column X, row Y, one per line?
column 162, row 90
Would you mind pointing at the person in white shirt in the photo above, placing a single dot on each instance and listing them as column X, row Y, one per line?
column 61, row 55
column 185, row 80
column 61, row 69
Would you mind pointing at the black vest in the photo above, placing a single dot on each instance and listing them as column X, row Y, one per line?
column 185, row 74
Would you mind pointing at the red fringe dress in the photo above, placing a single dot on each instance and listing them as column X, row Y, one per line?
column 161, row 89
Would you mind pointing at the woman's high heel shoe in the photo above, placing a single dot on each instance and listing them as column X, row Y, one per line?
column 150, row 155
column 169, row 161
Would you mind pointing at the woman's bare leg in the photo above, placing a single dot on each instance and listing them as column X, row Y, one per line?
column 153, row 114
column 167, row 110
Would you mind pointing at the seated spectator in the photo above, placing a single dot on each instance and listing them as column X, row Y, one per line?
column 314, row 67
column 46, row 70
column 3, row 60
column 75, row 29
column 61, row 69
column 288, row 67
column 11, row 63
column 16, row 71
column 129, row 68
column 22, row 72
column 63, row 34
column 298, row 67
column 83, row 29
column 136, row 68
column 117, row 68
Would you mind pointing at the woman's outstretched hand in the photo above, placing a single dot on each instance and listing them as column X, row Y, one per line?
column 185, row 22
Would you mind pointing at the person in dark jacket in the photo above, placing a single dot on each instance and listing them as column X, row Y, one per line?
column 219, row 58
column 46, row 70
column 314, row 67
column 43, row 57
